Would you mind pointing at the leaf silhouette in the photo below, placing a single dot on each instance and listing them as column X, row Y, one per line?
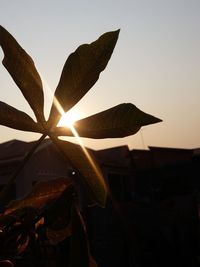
column 79, row 245
column 15, row 244
column 57, row 236
column 57, row 216
column 16, row 228
column 119, row 121
column 89, row 172
column 22, row 242
column 14, row 118
column 22, row 69
column 81, row 71
column 41, row 194
column 57, row 213
column 52, row 201
column 79, row 74
column 6, row 263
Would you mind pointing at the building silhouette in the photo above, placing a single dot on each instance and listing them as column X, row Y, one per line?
column 151, row 217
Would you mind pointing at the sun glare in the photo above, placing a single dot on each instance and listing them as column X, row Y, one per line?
column 68, row 119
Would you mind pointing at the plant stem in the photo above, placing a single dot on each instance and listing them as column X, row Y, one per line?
column 4, row 192
column 65, row 157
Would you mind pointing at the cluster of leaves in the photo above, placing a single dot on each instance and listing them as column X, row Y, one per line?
column 79, row 74
column 28, row 222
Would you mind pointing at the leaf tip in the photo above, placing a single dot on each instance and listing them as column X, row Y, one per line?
column 151, row 120
column 1, row 28
column 159, row 120
column 117, row 33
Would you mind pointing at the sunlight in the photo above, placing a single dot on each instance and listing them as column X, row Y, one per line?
column 89, row 157
column 68, row 119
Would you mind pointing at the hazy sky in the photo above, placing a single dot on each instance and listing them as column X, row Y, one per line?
column 155, row 64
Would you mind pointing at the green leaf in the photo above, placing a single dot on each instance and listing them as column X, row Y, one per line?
column 119, row 121
column 81, row 71
column 87, row 169
column 14, row 118
column 22, row 69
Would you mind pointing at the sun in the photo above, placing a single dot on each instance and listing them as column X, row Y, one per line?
column 68, row 119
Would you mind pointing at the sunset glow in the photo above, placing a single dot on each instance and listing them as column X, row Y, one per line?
column 68, row 119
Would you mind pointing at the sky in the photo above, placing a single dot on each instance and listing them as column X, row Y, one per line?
column 155, row 64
